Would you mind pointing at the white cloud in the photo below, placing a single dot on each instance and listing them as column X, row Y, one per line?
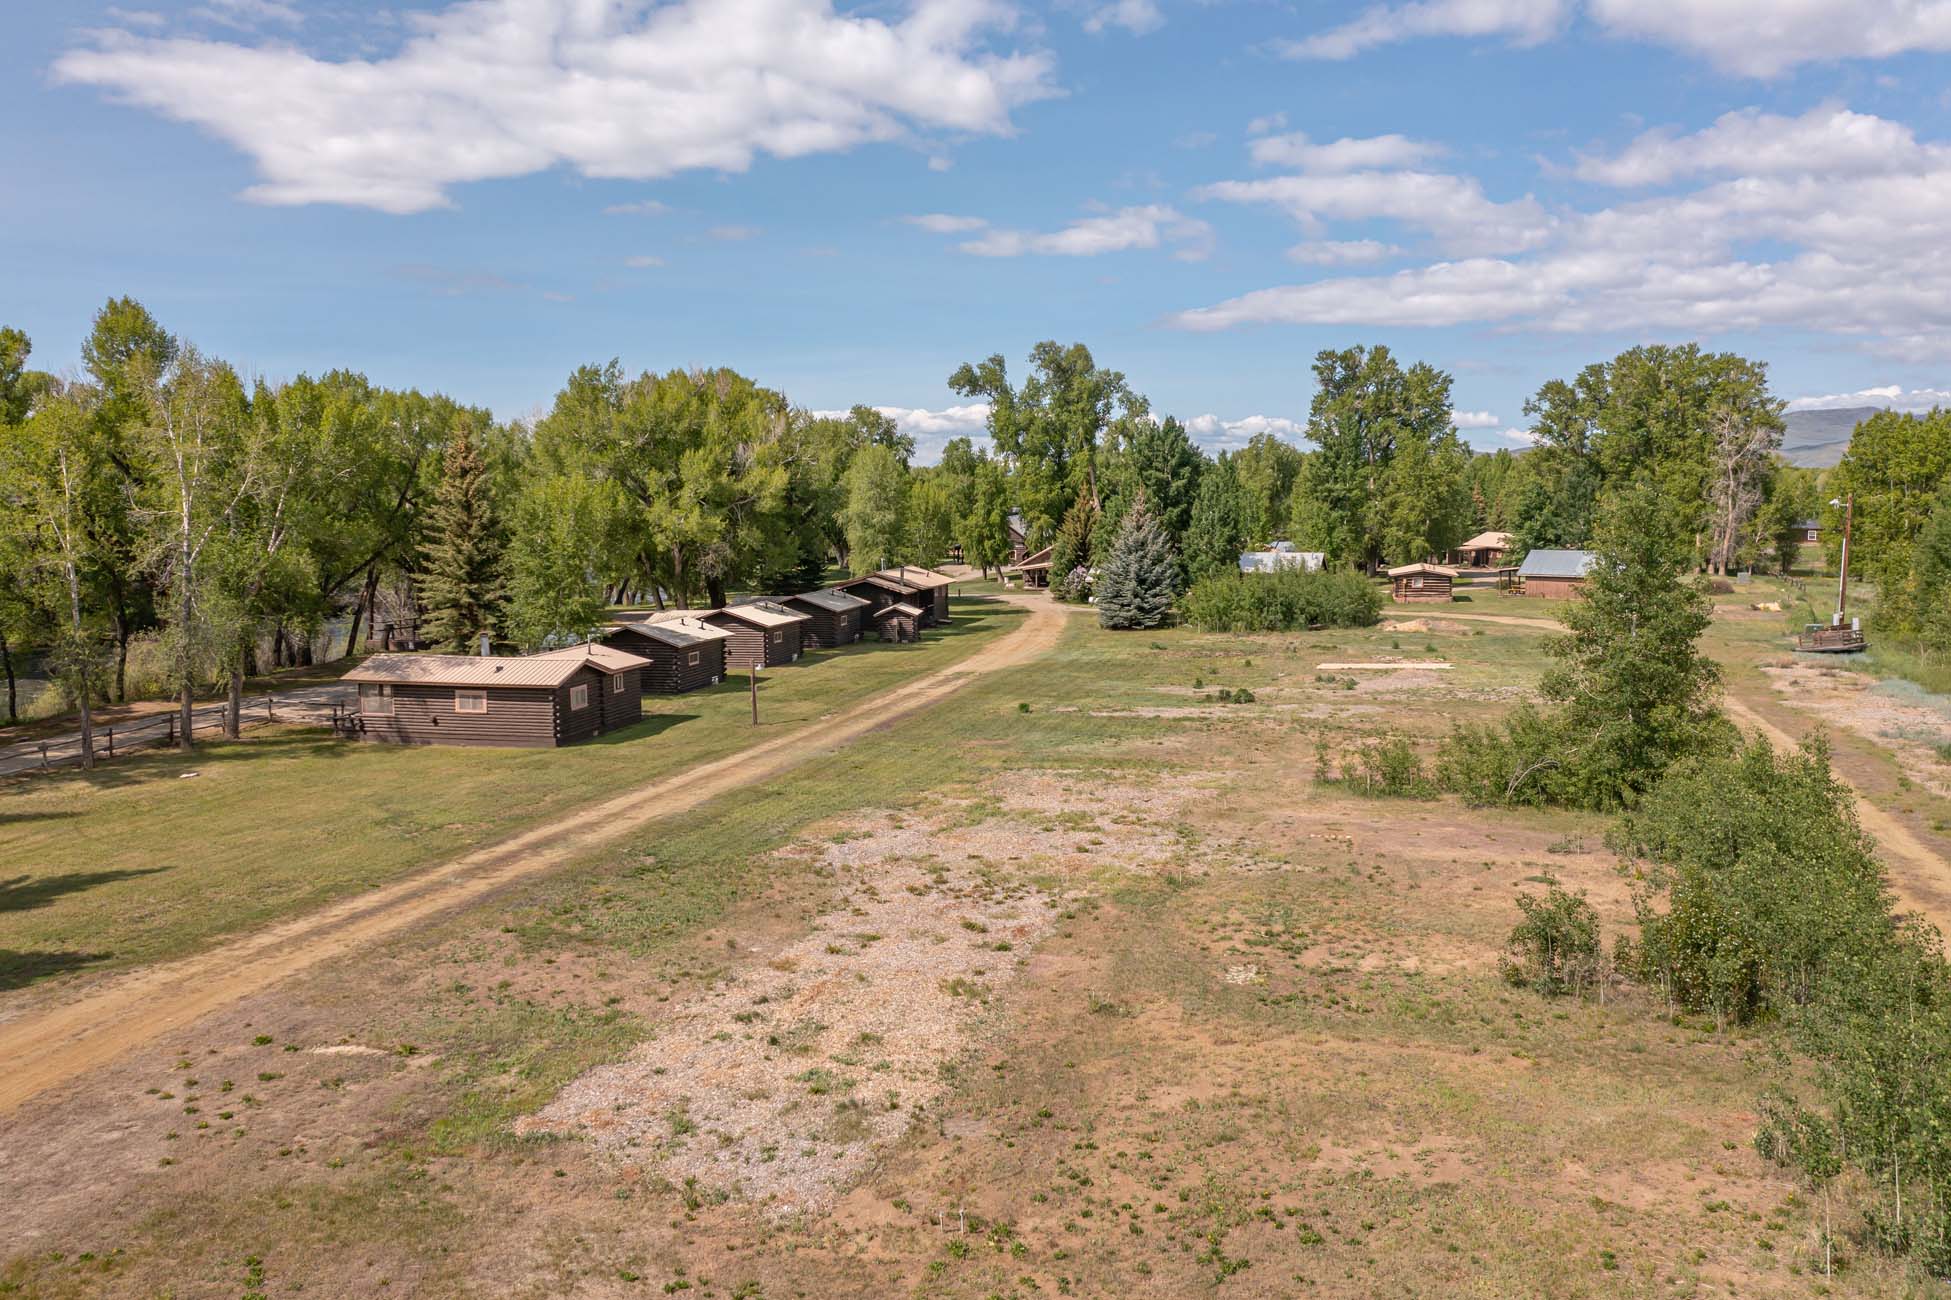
column 932, row 429
column 1453, row 209
column 1135, row 16
column 643, row 262
column 1525, row 22
column 1345, row 155
column 642, row 208
column 1340, row 252
column 1150, row 226
column 940, row 162
column 733, row 234
column 1894, row 396
column 1763, row 38
column 1474, row 420
column 1830, row 140
column 1846, row 242
column 944, row 223
column 1271, row 122
column 1756, row 38
column 1216, row 434
column 614, row 89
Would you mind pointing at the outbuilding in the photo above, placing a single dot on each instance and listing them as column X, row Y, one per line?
column 524, row 701
column 931, row 588
column 879, row 591
column 1555, row 574
column 1033, row 568
column 764, row 634
column 833, row 616
column 898, row 622
column 1484, row 551
column 680, row 653
column 1422, row 582
column 1279, row 556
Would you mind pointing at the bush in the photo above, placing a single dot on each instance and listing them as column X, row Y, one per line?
column 1391, row 767
column 1519, row 762
column 1287, row 601
column 1555, row 948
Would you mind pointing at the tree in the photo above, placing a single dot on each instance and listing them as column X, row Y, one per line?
column 1894, row 468
column 462, row 585
column 875, row 517
column 1070, row 553
column 1635, row 694
column 984, row 530
column 1266, row 469
column 1047, row 431
column 931, row 522
column 1139, row 578
column 561, row 546
column 1216, row 533
column 1163, row 463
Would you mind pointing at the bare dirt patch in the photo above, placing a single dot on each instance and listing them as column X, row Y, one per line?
column 1911, row 729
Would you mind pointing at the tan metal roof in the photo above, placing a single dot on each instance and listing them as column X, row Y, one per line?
column 678, row 627
column 1404, row 570
column 544, row 670
column 1487, row 542
column 763, row 613
column 899, row 607
column 831, row 599
column 882, row 581
column 916, row 576
column 603, row 658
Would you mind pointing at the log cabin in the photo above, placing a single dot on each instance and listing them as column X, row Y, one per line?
column 930, row 586
column 1484, row 551
column 879, row 591
column 834, row 616
column 764, row 634
column 1422, row 582
column 1033, row 568
column 898, row 622
column 680, row 652
column 522, row 701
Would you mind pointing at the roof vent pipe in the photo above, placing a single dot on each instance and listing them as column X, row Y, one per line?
column 485, row 652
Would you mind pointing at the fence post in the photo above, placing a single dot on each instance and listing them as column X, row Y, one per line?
column 171, row 738
column 268, row 714
column 111, row 742
column 43, row 756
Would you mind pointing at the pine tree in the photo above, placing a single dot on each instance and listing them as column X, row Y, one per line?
column 1136, row 583
column 1070, row 553
column 461, row 586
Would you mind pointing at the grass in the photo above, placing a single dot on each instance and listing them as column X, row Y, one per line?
column 1371, row 1111
column 119, row 867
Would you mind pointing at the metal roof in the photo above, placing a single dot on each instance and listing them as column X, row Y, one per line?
column 916, row 576
column 899, row 607
column 1556, row 564
column 543, row 670
column 762, row 613
column 830, row 599
column 882, row 581
column 1034, row 560
column 1486, row 542
column 1405, row 570
column 1281, row 556
column 678, row 627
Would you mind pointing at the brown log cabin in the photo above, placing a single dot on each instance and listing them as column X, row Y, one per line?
column 680, row 652
column 833, row 616
column 1422, row 582
column 898, row 622
column 526, row 701
column 764, row 634
column 931, row 587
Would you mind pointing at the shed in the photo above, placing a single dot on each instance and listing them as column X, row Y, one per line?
column 764, row 634
column 1033, row 568
column 931, row 586
column 898, row 622
column 1809, row 530
column 680, row 653
column 525, row 701
column 1422, row 582
column 879, row 591
column 1484, row 551
column 1555, row 574
column 834, row 616
column 1281, row 555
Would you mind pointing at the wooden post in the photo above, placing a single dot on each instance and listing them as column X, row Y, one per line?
column 269, row 716
column 111, row 742
column 755, row 695
column 755, row 718
column 171, row 740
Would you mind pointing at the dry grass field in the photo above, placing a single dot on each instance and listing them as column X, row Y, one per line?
column 1081, row 982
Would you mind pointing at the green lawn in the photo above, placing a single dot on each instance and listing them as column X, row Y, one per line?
column 155, row 856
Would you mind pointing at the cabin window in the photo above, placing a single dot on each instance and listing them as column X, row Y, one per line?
column 376, row 698
column 1812, row 534
column 470, row 701
column 616, row 683
column 579, row 697
column 778, row 638
column 694, row 659
column 1415, row 584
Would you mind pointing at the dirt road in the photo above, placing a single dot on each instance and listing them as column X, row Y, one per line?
column 1919, row 875
column 46, row 1049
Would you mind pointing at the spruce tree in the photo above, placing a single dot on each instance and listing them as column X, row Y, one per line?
column 1070, row 552
column 461, row 586
column 1136, row 583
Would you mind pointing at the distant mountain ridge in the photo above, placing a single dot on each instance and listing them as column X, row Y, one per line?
column 1817, row 439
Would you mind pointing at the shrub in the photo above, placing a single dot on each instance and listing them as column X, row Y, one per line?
column 1286, row 601
column 1391, row 767
column 1555, row 948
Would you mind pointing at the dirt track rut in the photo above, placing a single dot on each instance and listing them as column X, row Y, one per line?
column 45, row 1049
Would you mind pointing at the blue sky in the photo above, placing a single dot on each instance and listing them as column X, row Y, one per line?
column 846, row 202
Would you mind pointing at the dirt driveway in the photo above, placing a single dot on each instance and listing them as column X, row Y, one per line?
column 48, row 1048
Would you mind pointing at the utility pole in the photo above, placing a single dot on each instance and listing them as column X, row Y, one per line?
column 1842, row 585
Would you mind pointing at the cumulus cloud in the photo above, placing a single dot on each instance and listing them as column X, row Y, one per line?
column 1844, row 243
column 1340, row 252
column 1474, row 420
column 1345, row 155
column 933, row 429
column 1135, row 16
column 1216, row 434
column 1525, row 22
column 1756, row 38
column 614, row 89
column 1149, row 226
column 1452, row 209
column 1894, row 396
column 1830, row 140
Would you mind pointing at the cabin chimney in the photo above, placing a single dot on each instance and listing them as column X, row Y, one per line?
column 485, row 652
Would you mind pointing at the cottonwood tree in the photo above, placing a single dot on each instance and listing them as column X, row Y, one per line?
column 931, row 522
column 462, row 584
column 875, row 517
column 983, row 530
column 1894, row 468
column 563, row 542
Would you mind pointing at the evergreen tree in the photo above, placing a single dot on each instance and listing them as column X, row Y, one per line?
column 1070, row 553
column 1138, row 580
column 1217, row 533
column 461, row 583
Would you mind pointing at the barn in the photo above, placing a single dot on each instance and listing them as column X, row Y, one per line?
column 898, row 622
column 525, row 701
column 763, row 634
column 1555, row 574
column 1422, row 582
column 680, row 653
column 834, row 616
column 931, row 588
